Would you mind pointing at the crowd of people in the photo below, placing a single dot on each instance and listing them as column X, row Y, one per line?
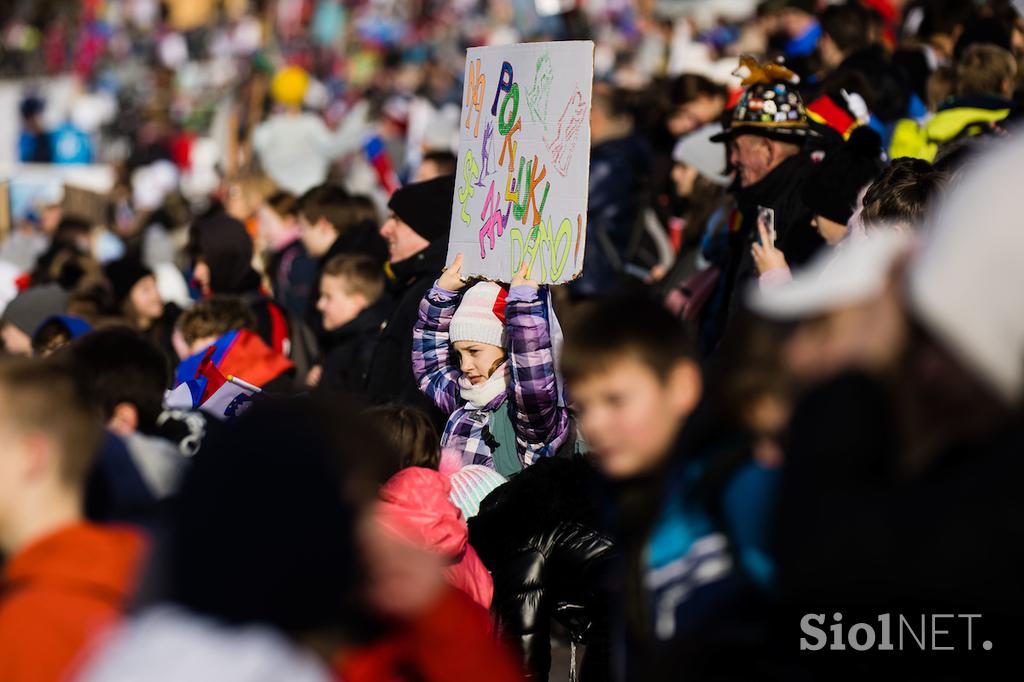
column 258, row 423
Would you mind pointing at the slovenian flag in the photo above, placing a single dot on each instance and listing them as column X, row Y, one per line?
column 208, row 380
column 211, row 392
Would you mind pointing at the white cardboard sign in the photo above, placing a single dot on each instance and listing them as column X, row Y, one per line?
column 524, row 161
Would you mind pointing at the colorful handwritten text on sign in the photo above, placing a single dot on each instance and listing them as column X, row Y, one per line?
column 524, row 161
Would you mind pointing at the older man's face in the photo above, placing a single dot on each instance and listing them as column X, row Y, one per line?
column 753, row 157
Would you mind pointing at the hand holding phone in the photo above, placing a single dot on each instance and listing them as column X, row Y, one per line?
column 766, row 225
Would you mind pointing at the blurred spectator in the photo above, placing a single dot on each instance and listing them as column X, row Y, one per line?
column 138, row 300
column 435, row 165
column 23, row 316
column 34, row 144
column 984, row 81
column 296, row 148
column 333, row 222
column 290, row 270
column 619, row 191
column 136, row 468
column 65, row 580
column 226, row 324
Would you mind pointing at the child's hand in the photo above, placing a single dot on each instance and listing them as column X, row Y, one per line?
column 451, row 277
column 520, row 277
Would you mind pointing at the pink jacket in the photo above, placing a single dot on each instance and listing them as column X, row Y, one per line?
column 415, row 507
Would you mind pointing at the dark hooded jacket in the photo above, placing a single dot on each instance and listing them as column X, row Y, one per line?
column 538, row 535
column 224, row 245
column 348, row 351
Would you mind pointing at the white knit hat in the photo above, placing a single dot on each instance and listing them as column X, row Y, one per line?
column 480, row 316
column 470, row 485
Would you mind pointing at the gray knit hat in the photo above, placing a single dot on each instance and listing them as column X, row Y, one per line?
column 32, row 307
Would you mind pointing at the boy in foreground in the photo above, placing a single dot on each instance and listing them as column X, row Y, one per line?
column 689, row 516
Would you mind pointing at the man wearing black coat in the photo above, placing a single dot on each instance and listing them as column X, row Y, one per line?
column 416, row 233
column 768, row 140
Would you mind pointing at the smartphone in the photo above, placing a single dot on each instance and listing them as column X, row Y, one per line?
column 766, row 217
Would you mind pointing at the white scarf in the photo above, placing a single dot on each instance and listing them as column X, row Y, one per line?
column 480, row 396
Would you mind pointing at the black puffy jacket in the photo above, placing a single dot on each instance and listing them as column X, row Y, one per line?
column 538, row 535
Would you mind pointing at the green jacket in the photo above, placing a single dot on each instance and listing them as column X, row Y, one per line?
column 961, row 117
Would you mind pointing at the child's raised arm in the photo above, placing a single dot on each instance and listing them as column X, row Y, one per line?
column 541, row 424
column 435, row 376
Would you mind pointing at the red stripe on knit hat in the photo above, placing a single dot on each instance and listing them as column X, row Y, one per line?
column 500, row 303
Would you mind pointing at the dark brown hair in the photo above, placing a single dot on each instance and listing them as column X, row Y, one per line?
column 360, row 275
column 902, row 193
column 631, row 325
column 333, row 204
column 409, row 432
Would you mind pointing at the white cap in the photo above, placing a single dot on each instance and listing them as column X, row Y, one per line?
column 967, row 284
column 480, row 316
column 853, row 272
column 697, row 150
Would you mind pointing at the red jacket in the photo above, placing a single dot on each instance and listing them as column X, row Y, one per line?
column 60, row 592
column 415, row 506
column 451, row 642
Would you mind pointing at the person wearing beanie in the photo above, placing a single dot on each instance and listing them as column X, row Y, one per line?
column 138, row 299
column 27, row 312
column 768, row 143
column 221, row 252
column 483, row 354
column 416, row 232
column 470, row 484
column 57, row 332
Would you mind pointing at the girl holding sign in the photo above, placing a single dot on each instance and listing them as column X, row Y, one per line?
column 499, row 388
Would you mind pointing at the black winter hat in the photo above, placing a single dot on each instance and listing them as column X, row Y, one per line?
column 831, row 188
column 123, row 274
column 426, row 207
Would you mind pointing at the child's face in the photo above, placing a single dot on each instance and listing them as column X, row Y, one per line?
column 478, row 360
column 316, row 237
column 630, row 417
column 338, row 306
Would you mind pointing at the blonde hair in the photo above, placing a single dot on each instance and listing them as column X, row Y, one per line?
column 44, row 397
column 984, row 68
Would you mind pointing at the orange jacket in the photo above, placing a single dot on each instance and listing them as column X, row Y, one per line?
column 58, row 593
